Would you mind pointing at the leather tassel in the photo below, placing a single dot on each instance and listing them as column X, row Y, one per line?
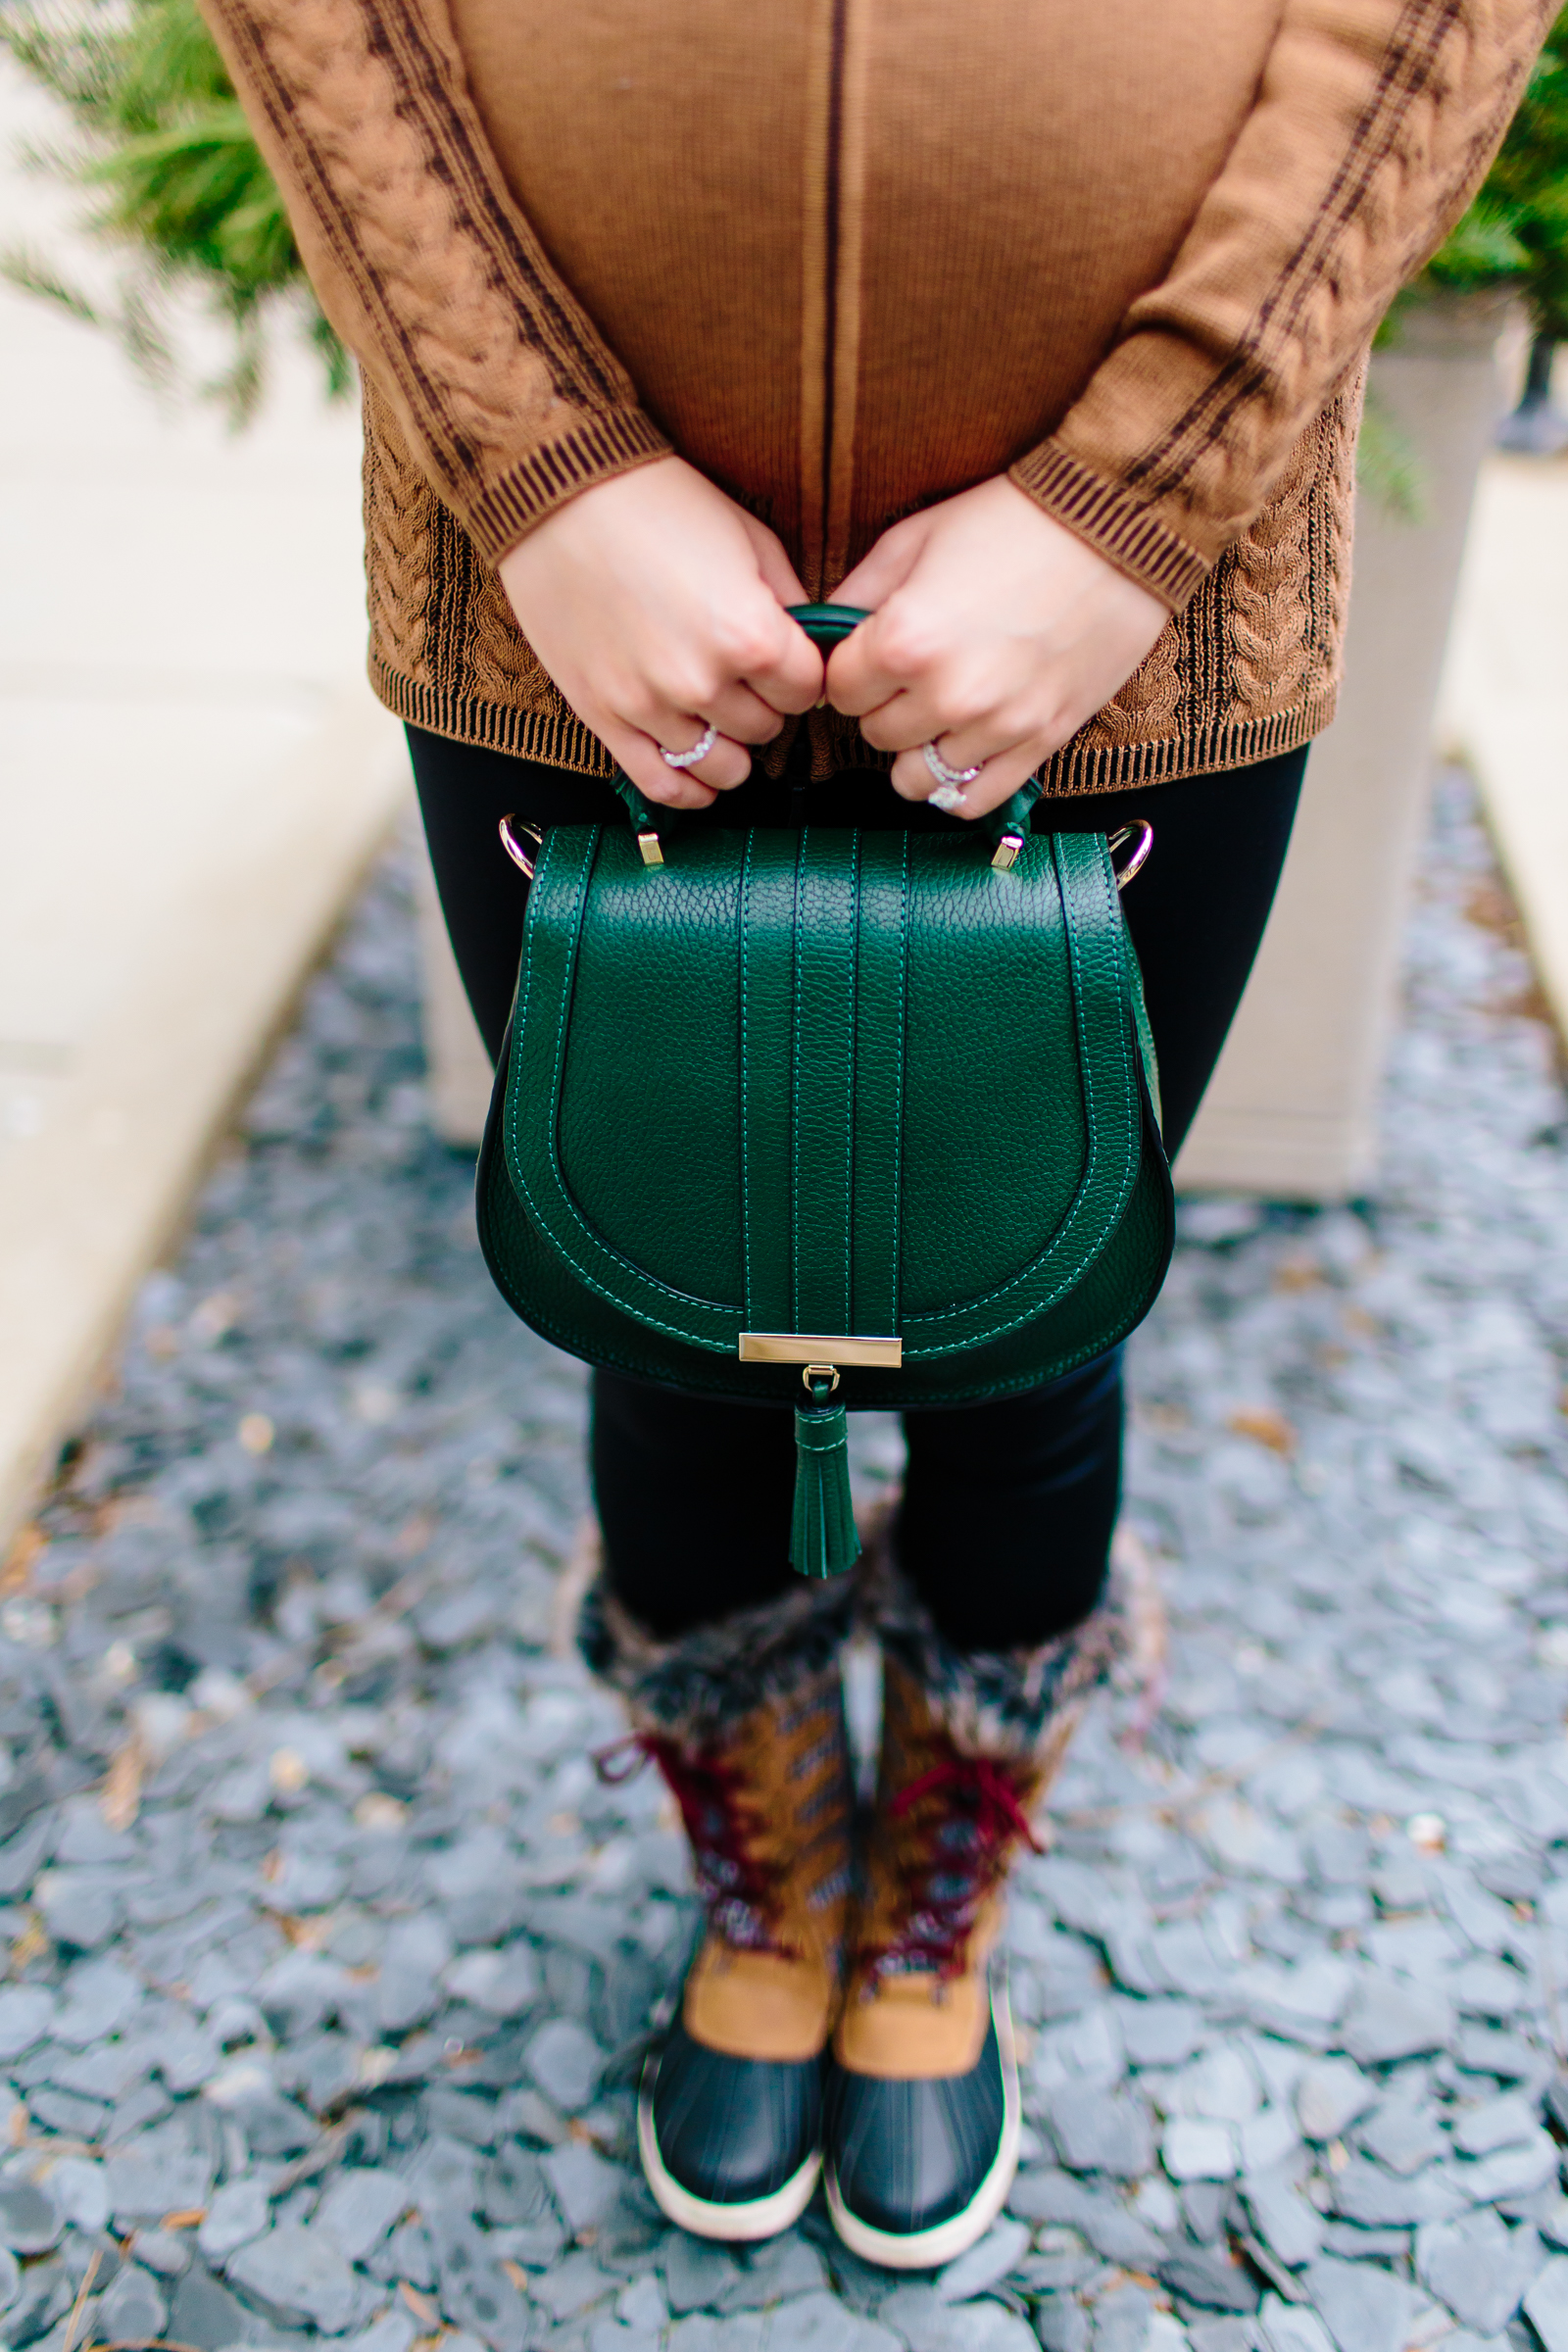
column 824, row 1537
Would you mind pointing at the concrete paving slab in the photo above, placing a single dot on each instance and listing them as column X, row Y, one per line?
column 113, row 1117
column 1505, row 696
column 193, row 778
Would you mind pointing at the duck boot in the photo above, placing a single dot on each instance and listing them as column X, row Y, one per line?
column 745, row 1720
column 922, row 2120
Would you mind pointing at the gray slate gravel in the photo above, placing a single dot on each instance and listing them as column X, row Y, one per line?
column 331, row 1957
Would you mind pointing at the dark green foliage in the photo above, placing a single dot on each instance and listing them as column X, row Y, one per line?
column 174, row 182
column 1516, row 231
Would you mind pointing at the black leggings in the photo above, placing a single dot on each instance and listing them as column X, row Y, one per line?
column 1007, row 1511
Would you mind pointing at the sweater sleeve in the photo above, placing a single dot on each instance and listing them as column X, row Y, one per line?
column 422, row 261
column 1374, row 123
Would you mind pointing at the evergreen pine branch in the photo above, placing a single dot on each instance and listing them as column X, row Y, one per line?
column 30, row 275
column 1515, row 232
column 173, row 184
column 143, row 337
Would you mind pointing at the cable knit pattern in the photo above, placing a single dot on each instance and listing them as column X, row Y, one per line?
column 1186, row 710
column 400, row 511
column 1270, row 613
column 1220, row 369
column 1150, row 705
column 425, row 263
column 489, row 221
column 1336, row 496
column 505, row 667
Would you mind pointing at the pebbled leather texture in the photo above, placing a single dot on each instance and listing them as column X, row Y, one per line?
column 767, row 984
column 822, row 1028
column 825, row 1082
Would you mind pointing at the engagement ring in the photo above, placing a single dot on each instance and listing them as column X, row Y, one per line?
column 944, row 774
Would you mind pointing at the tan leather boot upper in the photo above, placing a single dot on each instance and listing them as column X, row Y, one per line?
column 946, row 1827
column 766, row 1804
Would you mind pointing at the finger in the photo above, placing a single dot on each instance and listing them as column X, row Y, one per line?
column 637, row 754
column 966, row 710
column 998, row 780
column 741, row 715
column 972, row 744
column 727, row 764
column 893, row 653
column 859, row 681
column 889, row 565
column 869, row 665
column 1039, row 733
column 907, row 719
column 786, row 669
column 720, row 769
column 773, row 562
column 676, row 717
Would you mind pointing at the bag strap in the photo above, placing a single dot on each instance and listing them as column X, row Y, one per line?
column 827, row 625
column 642, row 819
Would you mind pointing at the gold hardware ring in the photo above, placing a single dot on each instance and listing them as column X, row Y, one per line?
column 1145, row 833
column 513, row 848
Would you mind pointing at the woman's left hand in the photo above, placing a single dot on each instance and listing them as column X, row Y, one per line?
column 994, row 632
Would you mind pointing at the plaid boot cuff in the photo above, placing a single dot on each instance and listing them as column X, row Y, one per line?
column 697, row 1683
column 1009, row 1703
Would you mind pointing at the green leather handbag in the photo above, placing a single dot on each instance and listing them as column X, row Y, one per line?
column 833, row 1117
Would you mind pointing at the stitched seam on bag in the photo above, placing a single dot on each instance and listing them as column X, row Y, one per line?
column 1043, row 1307
column 849, row 1084
column 1038, row 1307
column 749, row 1301
column 514, row 1169
column 1076, row 1268
column 566, row 1337
column 795, row 1095
column 1076, row 1209
column 901, row 991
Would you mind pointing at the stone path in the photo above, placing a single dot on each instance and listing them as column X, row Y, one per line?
column 329, row 1955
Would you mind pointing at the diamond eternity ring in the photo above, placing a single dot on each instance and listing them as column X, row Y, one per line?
column 699, row 751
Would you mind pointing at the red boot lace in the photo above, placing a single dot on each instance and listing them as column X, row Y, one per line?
column 721, row 1826
column 963, row 1854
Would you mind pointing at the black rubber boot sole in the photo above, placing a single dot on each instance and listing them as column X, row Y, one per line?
column 730, row 2147
column 916, row 2171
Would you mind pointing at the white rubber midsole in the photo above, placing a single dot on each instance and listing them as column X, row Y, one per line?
column 760, row 2217
column 925, row 2249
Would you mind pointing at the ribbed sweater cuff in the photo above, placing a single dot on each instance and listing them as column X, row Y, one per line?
column 597, row 449
column 1119, row 526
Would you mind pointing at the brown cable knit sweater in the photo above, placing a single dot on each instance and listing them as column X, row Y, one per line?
column 850, row 257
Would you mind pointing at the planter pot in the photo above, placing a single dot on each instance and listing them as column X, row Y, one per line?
column 1291, row 1112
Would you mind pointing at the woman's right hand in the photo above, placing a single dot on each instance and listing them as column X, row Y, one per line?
column 657, row 605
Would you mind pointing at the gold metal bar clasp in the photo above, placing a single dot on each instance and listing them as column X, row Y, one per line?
column 819, row 1348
